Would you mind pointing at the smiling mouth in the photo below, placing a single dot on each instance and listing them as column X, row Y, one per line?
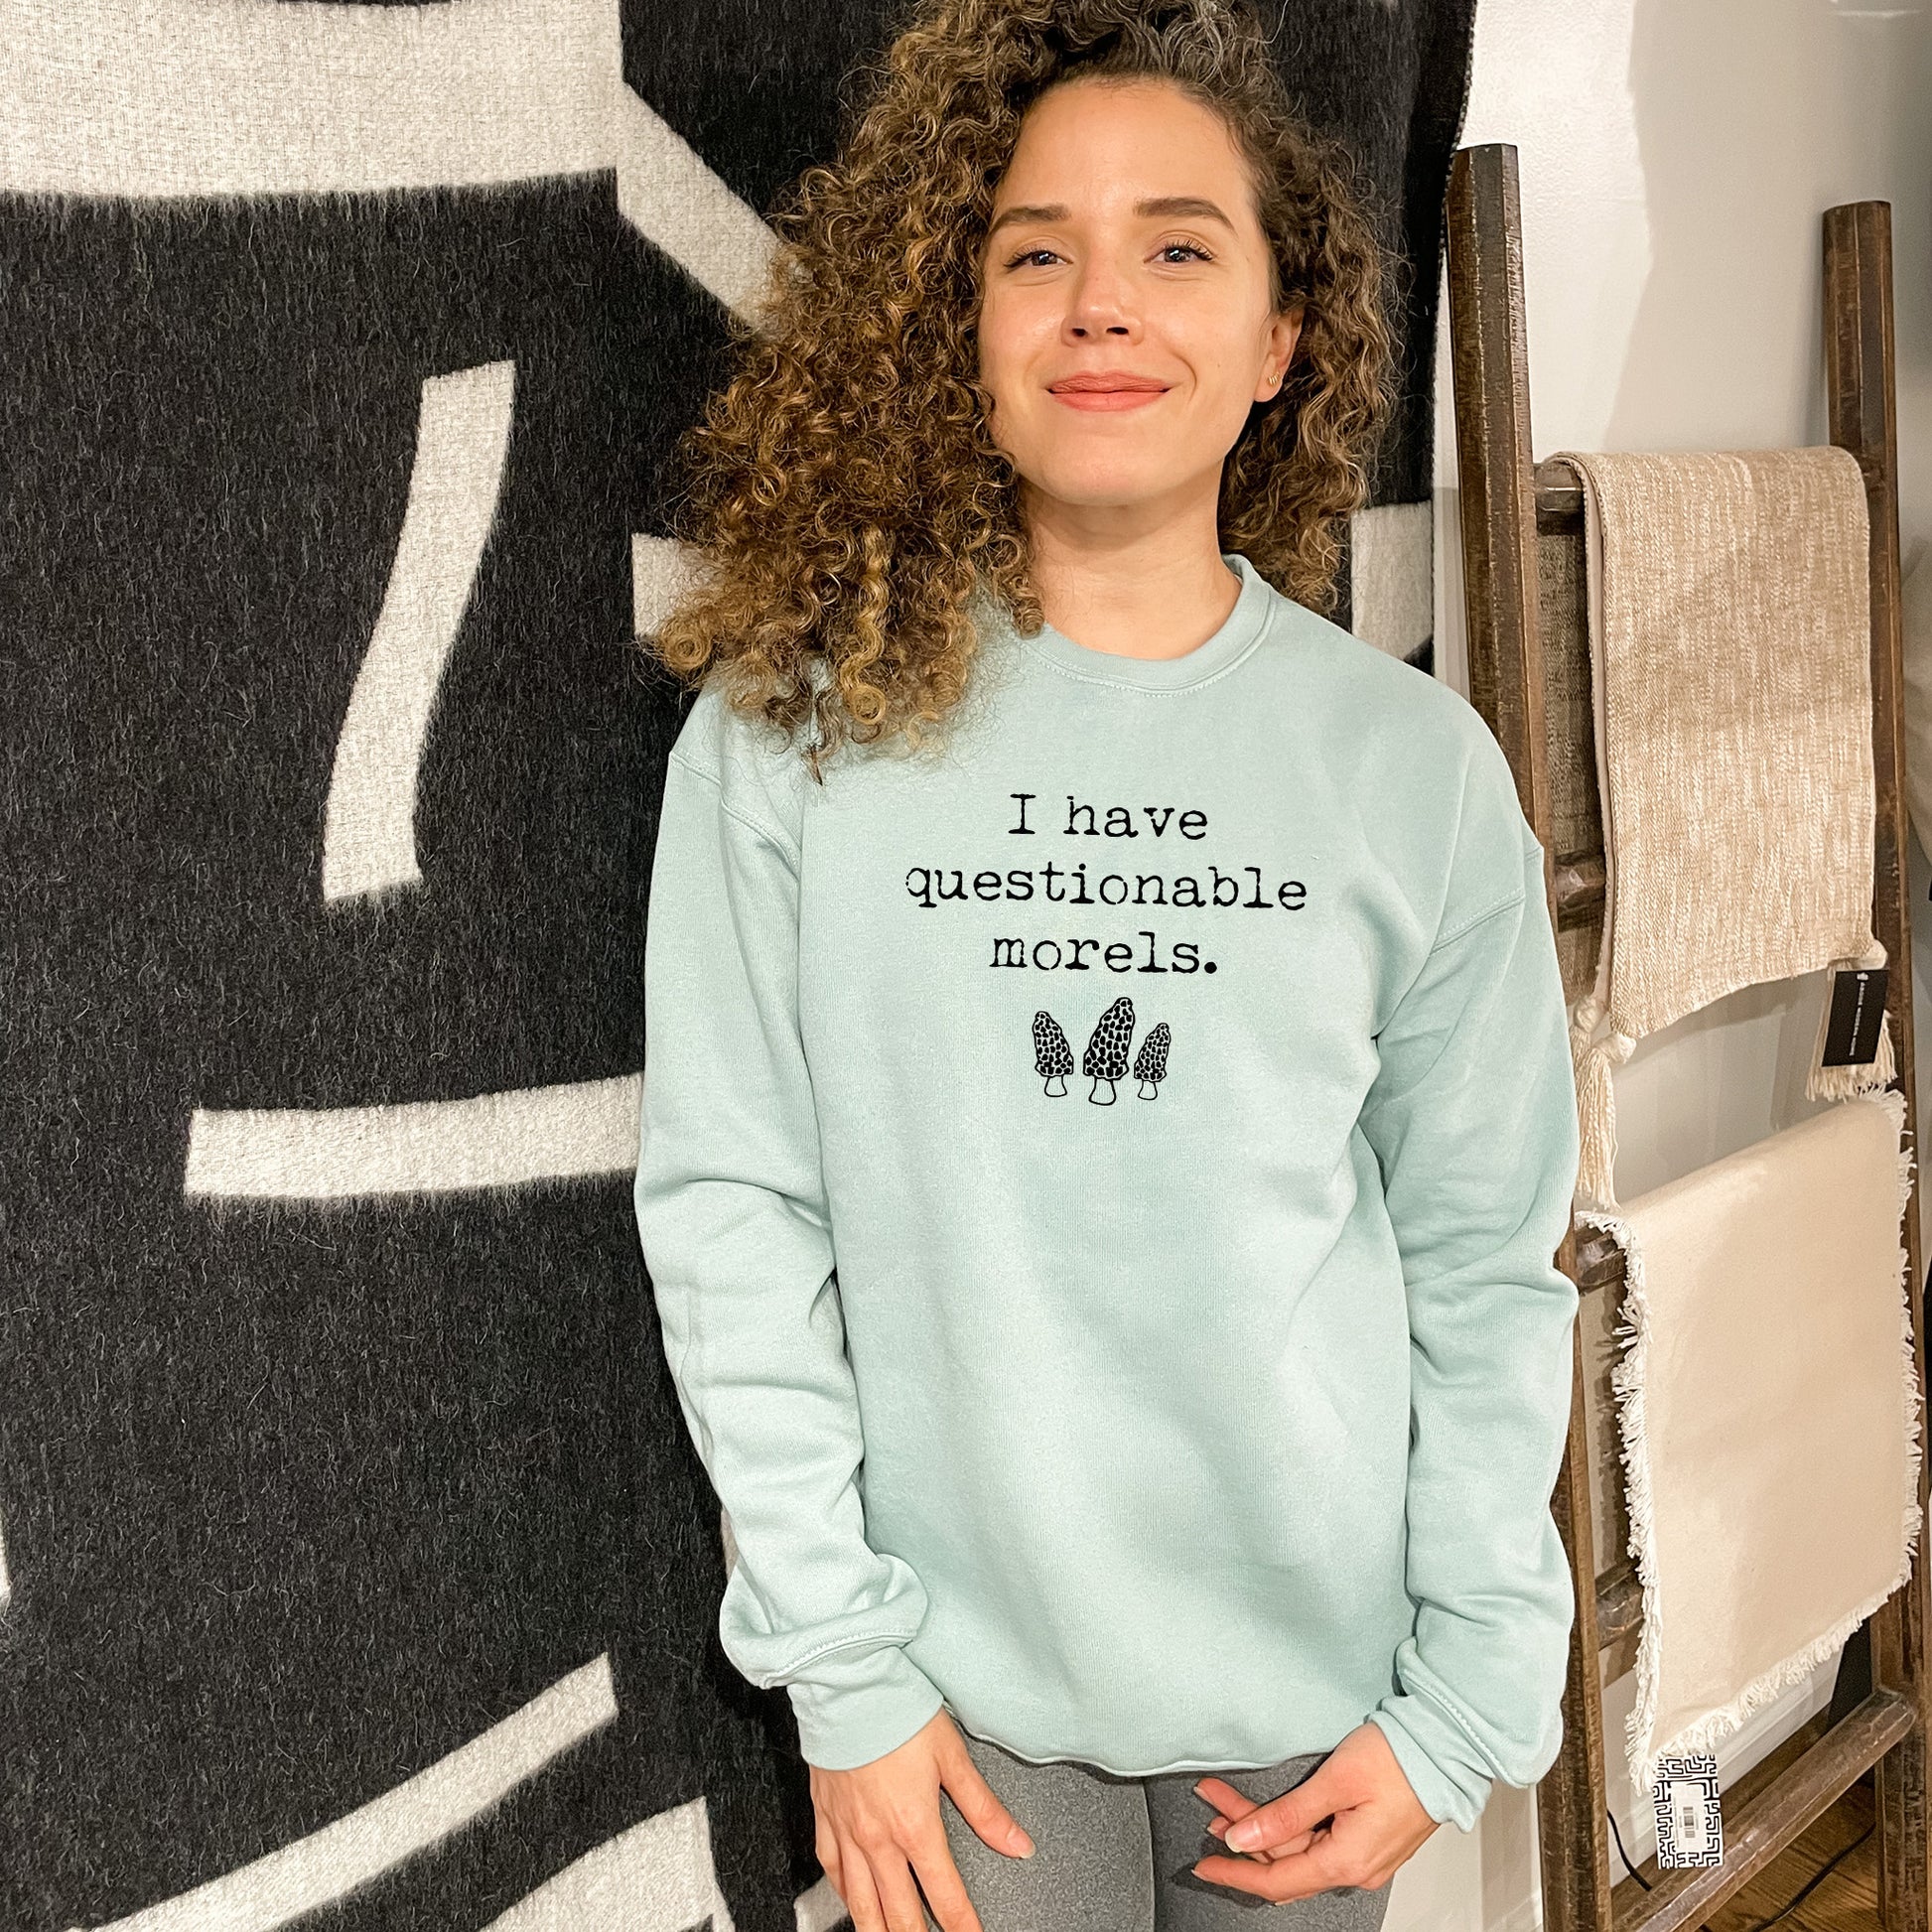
column 1102, row 393
column 1108, row 385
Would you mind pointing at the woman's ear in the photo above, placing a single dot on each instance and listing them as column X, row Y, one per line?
column 1283, row 333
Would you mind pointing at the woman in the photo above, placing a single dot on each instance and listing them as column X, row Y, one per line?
column 1108, row 1117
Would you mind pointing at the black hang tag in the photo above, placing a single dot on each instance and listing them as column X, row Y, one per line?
column 1858, row 1006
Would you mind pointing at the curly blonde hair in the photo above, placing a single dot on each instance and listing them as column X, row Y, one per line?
column 844, row 498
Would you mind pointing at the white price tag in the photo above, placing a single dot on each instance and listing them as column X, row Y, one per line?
column 1689, row 1813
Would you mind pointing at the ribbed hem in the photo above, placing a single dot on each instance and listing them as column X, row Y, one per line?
column 1424, row 1741
column 859, row 1704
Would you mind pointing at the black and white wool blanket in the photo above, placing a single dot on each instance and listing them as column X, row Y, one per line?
column 355, row 1567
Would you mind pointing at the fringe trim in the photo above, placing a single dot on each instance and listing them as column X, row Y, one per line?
column 1627, row 1381
column 1824, row 1082
column 1591, row 1063
column 1627, row 1376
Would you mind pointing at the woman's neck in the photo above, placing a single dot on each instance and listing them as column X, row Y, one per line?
column 1132, row 593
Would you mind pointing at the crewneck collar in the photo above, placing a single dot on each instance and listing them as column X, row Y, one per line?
column 1238, row 634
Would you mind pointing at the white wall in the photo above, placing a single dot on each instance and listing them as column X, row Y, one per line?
column 1676, row 157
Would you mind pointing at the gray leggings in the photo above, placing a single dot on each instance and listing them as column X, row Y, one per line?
column 1112, row 1854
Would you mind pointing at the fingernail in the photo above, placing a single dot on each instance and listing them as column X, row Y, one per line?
column 1241, row 1836
column 1022, row 1843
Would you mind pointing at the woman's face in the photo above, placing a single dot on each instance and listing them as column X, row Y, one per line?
column 1125, row 323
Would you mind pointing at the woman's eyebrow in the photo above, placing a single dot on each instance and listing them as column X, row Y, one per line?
column 1160, row 204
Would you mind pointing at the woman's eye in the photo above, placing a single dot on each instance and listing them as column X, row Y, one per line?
column 1168, row 251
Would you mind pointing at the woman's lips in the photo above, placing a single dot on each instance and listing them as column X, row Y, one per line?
column 1084, row 393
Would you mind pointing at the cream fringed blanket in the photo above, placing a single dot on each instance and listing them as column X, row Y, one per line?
column 1769, row 1410
column 1729, row 638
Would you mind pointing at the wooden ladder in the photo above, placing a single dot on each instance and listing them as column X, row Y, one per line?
column 1508, row 505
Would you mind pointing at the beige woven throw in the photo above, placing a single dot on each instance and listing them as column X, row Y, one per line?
column 1730, row 644
column 1770, row 1415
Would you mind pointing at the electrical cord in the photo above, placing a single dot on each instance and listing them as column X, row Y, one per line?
column 1624, row 1855
column 1784, row 1911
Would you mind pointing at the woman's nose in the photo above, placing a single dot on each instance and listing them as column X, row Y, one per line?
column 1102, row 305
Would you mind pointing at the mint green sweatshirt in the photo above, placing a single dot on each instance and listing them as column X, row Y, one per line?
column 1100, row 1179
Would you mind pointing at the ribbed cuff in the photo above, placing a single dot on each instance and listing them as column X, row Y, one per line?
column 1434, row 1756
column 860, row 1703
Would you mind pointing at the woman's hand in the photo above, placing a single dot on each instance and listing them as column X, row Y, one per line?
column 1297, row 1847
column 875, row 1819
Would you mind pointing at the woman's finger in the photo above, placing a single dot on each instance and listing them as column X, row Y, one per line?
column 945, row 1892
column 979, row 1804
column 1225, row 1799
column 1219, row 1827
column 825, row 1846
column 1233, row 1805
column 1298, row 1875
column 898, row 1898
column 1301, row 1808
column 860, row 1894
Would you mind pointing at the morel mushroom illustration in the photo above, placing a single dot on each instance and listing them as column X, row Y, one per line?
column 1150, row 1069
column 1105, row 1060
column 1052, row 1057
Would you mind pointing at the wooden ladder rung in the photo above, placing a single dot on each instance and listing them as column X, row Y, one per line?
column 1771, row 1820
column 1599, row 1262
column 1619, row 1603
column 1580, row 890
column 1558, row 500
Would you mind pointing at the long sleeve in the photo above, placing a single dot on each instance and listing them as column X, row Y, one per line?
column 1472, row 1116
column 734, row 1223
